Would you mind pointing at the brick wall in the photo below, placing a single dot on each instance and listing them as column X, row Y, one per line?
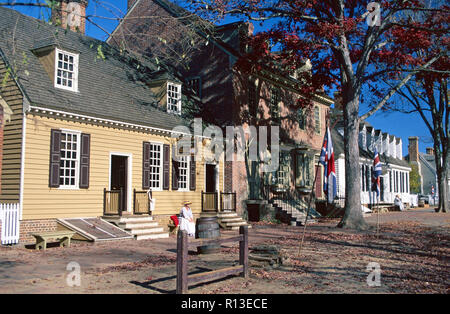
column 27, row 227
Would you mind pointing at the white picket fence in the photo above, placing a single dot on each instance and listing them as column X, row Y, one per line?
column 9, row 216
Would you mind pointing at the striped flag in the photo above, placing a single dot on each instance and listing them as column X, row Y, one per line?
column 376, row 173
column 329, row 173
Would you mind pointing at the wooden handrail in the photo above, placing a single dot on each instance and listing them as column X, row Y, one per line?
column 201, row 242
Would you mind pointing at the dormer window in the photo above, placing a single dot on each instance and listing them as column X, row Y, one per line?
column 174, row 98
column 66, row 70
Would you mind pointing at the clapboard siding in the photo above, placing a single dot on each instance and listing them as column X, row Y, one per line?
column 41, row 202
column 12, row 139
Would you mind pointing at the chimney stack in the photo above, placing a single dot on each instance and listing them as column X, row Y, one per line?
column 430, row 151
column 413, row 148
column 70, row 14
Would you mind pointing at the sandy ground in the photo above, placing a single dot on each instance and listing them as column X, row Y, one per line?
column 412, row 250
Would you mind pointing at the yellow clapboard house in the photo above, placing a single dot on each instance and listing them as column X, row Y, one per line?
column 91, row 132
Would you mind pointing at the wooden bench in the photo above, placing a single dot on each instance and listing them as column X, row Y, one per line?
column 62, row 236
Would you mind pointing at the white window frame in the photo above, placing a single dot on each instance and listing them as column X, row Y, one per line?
column 317, row 122
column 75, row 56
column 76, row 186
column 172, row 84
column 161, row 161
column 187, row 160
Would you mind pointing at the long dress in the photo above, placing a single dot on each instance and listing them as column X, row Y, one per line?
column 185, row 224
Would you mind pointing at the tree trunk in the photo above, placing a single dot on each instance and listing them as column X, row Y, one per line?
column 353, row 218
column 442, row 172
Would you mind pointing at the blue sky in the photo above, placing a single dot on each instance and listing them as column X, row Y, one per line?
column 400, row 125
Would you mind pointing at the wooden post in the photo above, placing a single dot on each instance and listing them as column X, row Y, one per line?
column 104, row 201
column 216, row 201
column 120, row 201
column 243, row 250
column 202, row 203
column 182, row 256
column 134, row 201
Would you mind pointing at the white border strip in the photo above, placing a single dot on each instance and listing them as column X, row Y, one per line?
column 22, row 165
column 65, row 114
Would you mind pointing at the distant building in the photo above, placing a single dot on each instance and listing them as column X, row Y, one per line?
column 395, row 177
column 426, row 164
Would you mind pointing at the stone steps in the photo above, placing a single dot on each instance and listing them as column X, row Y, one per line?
column 231, row 221
column 142, row 227
column 296, row 217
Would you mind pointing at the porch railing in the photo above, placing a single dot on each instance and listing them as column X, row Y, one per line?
column 228, row 201
column 141, row 202
column 112, row 202
column 210, row 201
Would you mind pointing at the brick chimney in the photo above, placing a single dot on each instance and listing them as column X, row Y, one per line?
column 413, row 148
column 70, row 14
column 430, row 150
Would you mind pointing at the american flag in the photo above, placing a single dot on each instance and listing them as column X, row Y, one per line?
column 329, row 173
column 376, row 173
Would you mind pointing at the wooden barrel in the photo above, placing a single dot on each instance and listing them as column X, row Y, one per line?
column 207, row 228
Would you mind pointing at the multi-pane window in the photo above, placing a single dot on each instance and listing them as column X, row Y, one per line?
column 407, row 182
column 155, row 166
column 281, row 177
column 301, row 117
column 66, row 70
column 68, row 171
column 274, row 103
column 390, row 181
column 303, row 171
column 174, row 98
column 252, row 99
column 317, row 119
column 196, row 85
column 183, row 173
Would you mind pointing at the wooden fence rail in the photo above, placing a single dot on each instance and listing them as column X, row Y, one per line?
column 183, row 245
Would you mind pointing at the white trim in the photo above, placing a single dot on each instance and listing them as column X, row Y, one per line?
column 138, row 127
column 188, row 173
column 22, row 165
column 129, row 176
column 75, row 56
column 177, row 85
column 77, row 164
column 161, row 166
column 217, row 173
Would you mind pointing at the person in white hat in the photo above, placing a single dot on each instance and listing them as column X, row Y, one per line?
column 187, row 222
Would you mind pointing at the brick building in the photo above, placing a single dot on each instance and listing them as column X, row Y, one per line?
column 159, row 29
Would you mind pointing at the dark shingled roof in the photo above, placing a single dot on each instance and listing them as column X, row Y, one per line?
column 111, row 88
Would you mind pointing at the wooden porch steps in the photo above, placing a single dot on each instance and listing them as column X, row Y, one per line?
column 142, row 227
column 231, row 221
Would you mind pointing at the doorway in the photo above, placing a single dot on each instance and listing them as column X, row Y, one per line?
column 211, row 177
column 119, row 178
